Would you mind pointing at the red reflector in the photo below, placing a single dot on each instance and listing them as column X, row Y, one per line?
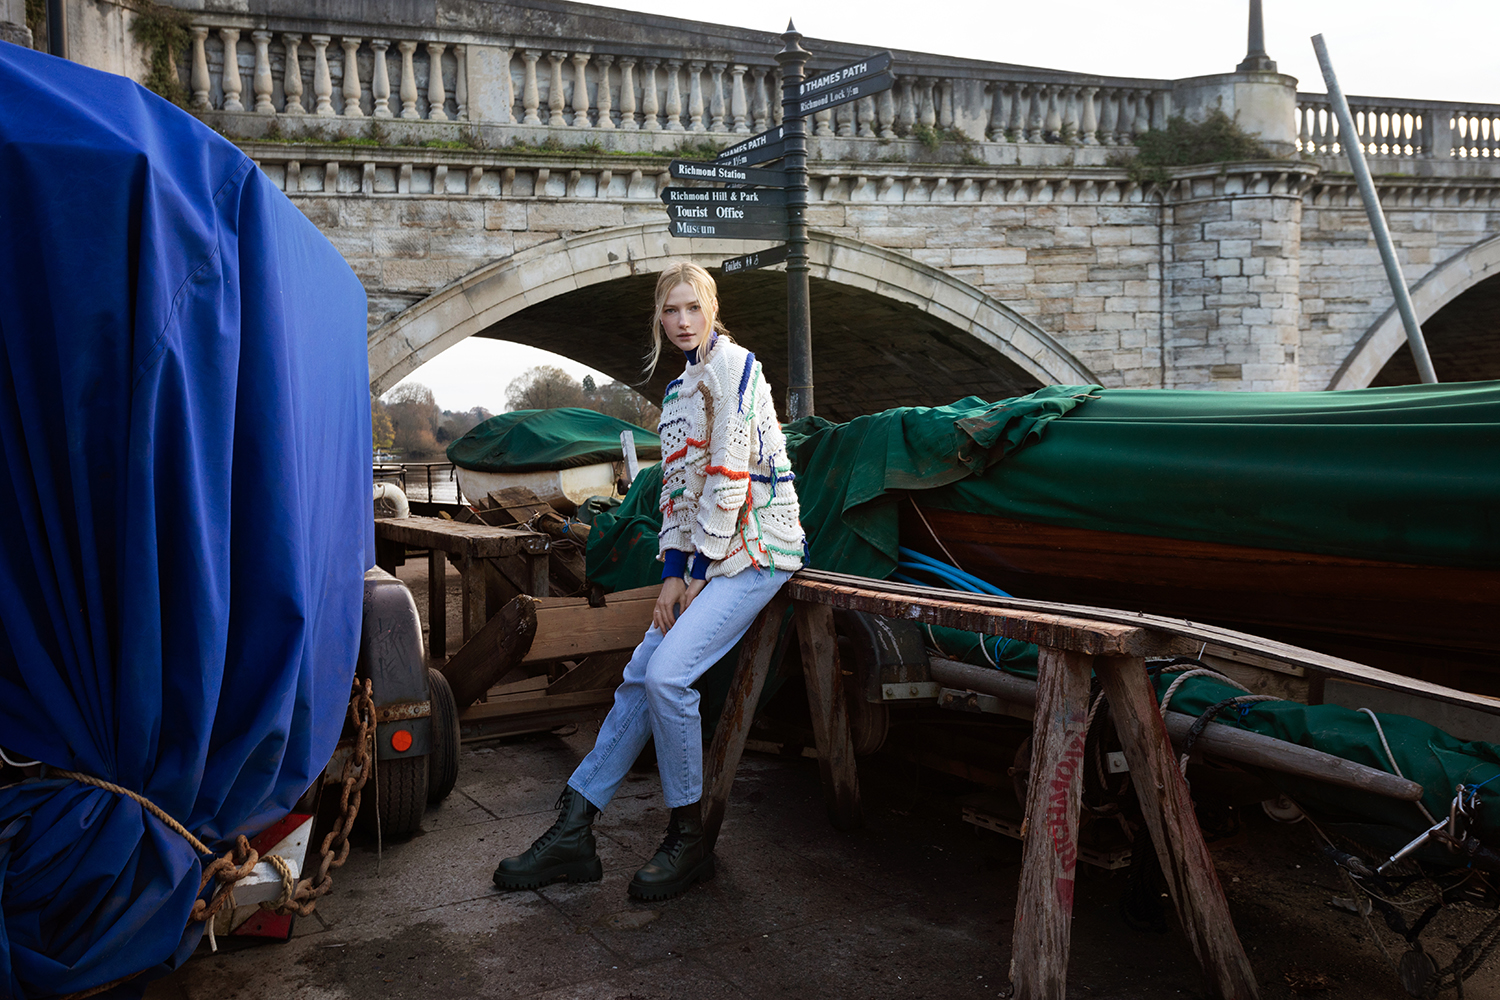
column 401, row 741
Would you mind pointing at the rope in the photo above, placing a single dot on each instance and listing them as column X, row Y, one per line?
column 934, row 534
column 16, row 763
column 288, row 882
column 145, row 803
column 1166, row 699
column 1380, row 731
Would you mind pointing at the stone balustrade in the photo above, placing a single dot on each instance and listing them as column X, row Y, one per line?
column 1390, row 128
column 580, row 91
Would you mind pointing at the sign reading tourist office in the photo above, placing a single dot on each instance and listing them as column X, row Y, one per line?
column 749, row 211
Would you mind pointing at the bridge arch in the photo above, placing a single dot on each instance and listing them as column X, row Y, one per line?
column 1003, row 346
column 1457, row 275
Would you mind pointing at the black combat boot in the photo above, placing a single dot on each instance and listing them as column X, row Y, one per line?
column 566, row 851
column 683, row 858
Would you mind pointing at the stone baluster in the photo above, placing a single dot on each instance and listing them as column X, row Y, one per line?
column 508, row 83
column 760, row 108
column 555, row 90
column 322, row 79
column 351, row 78
column 674, row 97
column 866, row 115
column 1305, row 114
column 408, row 81
column 231, row 81
column 1089, row 123
column 716, row 102
column 994, row 125
column 929, row 107
column 650, row 119
column 1020, row 100
column 946, row 118
column 906, row 111
column 530, row 101
column 885, row 104
column 739, row 106
column 461, row 82
column 1108, row 115
column 1142, row 112
column 263, row 105
column 291, row 75
column 627, row 94
column 580, row 103
column 776, row 87
column 1053, row 123
column 1072, row 107
column 695, row 96
column 380, row 79
column 603, row 99
column 199, row 76
column 437, row 95
column 823, row 121
column 1035, row 118
column 845, row 124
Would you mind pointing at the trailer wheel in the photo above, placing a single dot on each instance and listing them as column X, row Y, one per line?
column 401, row 787
column 442, row 762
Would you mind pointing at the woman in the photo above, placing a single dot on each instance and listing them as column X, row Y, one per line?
column 727, row 506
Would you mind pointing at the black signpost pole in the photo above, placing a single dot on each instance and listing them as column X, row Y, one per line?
column 799, row 389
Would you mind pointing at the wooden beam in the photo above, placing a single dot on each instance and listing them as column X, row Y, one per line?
column 830, row 715
column 1167, row 808
column 723, row 758
column 568, row 629
column 1049, row 855
column 437, row 604
column 492, row 651
column 511, row 716
column 479, row 540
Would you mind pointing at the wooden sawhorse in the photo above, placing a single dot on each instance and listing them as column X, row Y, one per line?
column 1071, row 647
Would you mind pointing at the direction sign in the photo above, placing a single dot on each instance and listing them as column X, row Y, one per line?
column 748, row 214
column 717, row 230
column 865, row 86
column 769, row 145
column 699, row 171
column 760, row 258
column 767, row 197
column 833, row 79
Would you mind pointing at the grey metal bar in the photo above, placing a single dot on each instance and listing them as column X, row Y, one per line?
column 1354, row 149
column 799, row 388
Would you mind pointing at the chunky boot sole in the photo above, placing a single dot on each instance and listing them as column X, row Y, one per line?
column 651, row 892
column 587, row 870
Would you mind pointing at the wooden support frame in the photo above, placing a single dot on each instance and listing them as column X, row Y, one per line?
column 830, row 713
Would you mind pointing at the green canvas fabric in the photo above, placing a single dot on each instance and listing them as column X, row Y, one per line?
column 1408, row 474
column 541, row 440
column 1425, row 754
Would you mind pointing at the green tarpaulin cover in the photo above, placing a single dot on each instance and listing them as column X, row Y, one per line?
column 539, row 440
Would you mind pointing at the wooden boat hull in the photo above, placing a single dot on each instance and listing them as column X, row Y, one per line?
column 1434, row 622
column 564, row 489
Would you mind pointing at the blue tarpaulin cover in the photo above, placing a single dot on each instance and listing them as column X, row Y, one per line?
column 185, row 519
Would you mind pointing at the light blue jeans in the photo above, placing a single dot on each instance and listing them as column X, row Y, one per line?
column 656, row 697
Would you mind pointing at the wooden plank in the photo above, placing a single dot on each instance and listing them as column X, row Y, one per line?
column 491, row 653
column 1049, row 855
column 575, row 630
column 512, row 716
column 1238, row 745
column 600, row 671
column 479, row 540
column 723, row 757
column 1150, row 635
column 1167, row 808
column 979, row 613
column 437, row 604
column 830, row 714
column 471, row 570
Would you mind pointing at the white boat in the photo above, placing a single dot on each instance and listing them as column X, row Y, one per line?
column 564, row 489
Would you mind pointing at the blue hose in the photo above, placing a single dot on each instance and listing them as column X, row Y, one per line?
column 976, row 584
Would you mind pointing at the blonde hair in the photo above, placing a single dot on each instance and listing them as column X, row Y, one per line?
column 682, row 272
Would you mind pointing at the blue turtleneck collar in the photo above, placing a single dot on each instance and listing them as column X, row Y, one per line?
column 692, row 356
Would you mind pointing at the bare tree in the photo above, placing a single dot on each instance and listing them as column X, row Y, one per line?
column 415, row 419
column 616, row 399
column 543, row 388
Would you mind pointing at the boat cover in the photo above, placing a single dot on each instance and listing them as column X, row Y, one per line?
column 185, row 426
column 542, row 440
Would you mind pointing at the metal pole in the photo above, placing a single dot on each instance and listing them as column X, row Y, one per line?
column 1354, row 149
column 799, row 388
column 57, row 28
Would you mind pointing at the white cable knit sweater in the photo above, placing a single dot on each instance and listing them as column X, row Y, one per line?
column 726, row 479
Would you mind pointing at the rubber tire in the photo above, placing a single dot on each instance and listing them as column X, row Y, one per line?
column 442, row 762
column 401, row 796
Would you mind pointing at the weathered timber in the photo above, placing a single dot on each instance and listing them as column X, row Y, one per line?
column 478, row 540
column 1148, row 635
column 512, row 716
column 1049, row 855
column 830, row 716
column 723, row 757
column 492, row 651
column 1167, row 807
column 1238, row 745
column 437, row 604
column 598, row 671
column 568, row 629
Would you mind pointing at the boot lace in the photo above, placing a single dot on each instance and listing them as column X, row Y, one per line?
column 555, row 830
column 673, row 840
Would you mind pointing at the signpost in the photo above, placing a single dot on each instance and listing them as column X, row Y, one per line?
column 747, row 211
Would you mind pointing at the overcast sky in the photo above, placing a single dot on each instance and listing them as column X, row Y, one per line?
column 1445, row 50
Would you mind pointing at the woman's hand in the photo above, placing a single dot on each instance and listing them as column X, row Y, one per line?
column 673, row 592
column 694, row 588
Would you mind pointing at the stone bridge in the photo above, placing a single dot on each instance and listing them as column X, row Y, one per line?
column 493, row 169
